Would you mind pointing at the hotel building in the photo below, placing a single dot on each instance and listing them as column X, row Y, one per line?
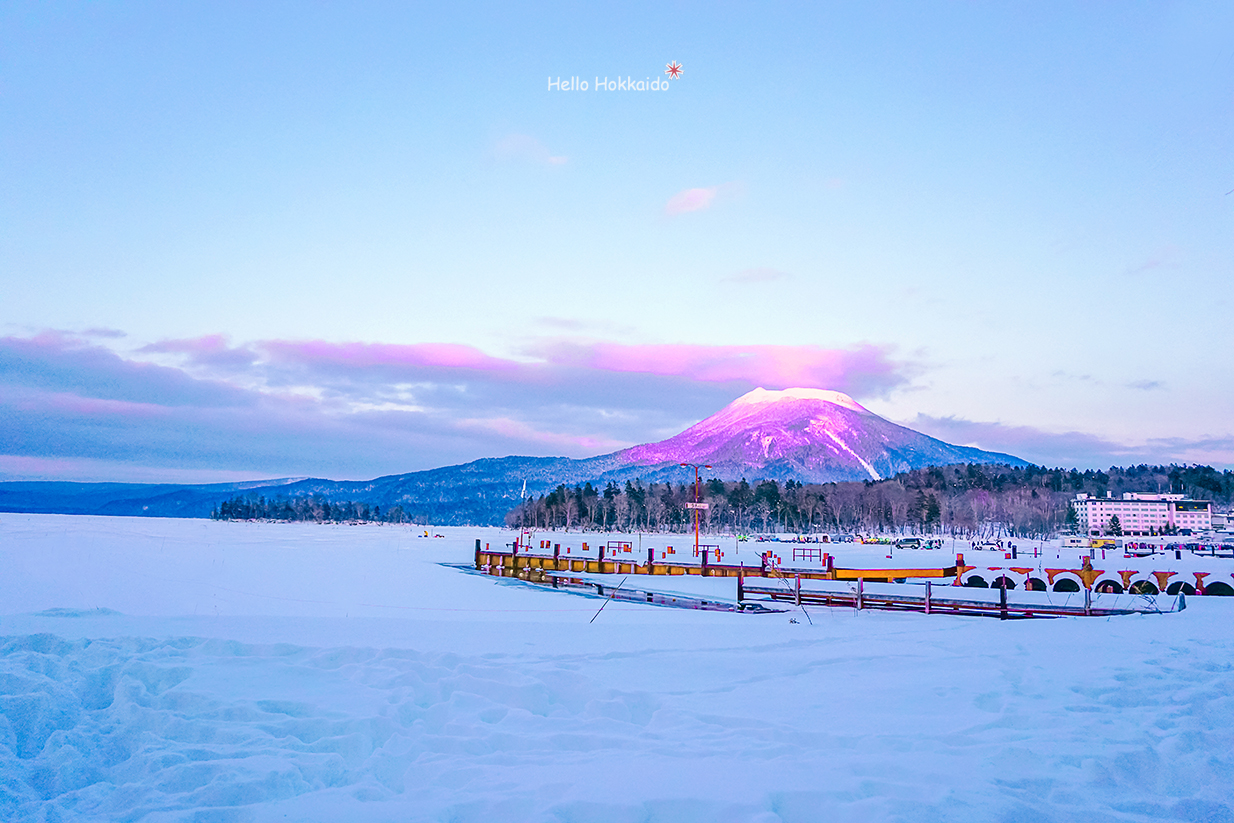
column 1142, row 514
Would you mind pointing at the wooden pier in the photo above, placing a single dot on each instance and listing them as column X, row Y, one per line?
column 514, row 560
column 767, row 587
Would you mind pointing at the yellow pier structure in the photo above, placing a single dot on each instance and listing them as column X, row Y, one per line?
column 537, row 567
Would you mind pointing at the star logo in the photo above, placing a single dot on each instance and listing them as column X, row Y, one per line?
column 673, row 70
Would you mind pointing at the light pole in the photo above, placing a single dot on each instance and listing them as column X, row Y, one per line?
column 696, row 505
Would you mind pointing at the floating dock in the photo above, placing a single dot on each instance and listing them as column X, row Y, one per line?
column 769, row 585
column 515, row 560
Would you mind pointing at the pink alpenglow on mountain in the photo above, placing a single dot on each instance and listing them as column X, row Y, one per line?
column 809, row 434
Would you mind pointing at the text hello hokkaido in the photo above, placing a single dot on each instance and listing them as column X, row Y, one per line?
column 620, row 84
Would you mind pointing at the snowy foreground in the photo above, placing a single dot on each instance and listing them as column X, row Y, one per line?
column 189, row 670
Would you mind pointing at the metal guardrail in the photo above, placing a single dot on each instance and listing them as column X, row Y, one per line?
column 929, row 599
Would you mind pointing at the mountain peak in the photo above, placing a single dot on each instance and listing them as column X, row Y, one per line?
column 813, row 434
column 760, row 395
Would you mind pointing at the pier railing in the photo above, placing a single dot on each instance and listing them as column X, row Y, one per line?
column 931, row 599
column 514, row 560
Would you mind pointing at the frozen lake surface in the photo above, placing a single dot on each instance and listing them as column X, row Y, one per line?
column 190, row 670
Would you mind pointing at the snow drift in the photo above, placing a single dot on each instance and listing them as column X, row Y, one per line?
column 159, row 670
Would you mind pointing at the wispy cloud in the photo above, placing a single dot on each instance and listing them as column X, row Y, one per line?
column 691, row 200
column 1146, row 385
column 213, row 350
column 1073, row 448
column 527, row 149
column 703, row 198
column 89, row 469
column 1165, row 257
column 59, row 364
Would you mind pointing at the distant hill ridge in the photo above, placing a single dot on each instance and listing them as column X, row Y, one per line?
column 808, row 435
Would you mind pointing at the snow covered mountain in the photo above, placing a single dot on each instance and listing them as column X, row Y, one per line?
column 808, row 435
column 804, row 434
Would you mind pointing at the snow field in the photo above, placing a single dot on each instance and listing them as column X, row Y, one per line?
column 452, row 696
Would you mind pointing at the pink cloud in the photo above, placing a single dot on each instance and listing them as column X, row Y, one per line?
column 860, row 367
column 769, row 366
column 552, row 362
column 691, row 200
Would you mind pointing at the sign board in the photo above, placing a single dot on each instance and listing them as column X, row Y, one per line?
column 697, row 505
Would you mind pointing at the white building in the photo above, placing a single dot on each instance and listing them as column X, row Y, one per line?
column 1142, row 514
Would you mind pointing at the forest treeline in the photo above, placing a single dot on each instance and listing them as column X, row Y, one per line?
column 960, row 500
column 310, row 509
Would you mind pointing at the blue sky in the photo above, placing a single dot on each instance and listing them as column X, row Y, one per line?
column 244, row 240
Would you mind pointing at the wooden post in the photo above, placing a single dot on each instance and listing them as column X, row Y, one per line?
column 705, row 562
column 1088, row 601
column 798, row 592
column 860, row 582
column 477, row 554
column 557, row 557
column 1002, row 598
column 651, row 556
column 927, row 602
column 741, row 589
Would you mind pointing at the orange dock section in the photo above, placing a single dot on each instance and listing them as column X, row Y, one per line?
column 530, row 566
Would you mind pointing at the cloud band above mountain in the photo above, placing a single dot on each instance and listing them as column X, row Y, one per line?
column 204, row 408
column 75, row 407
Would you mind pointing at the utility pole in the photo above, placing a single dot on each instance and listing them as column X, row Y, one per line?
column 697, row 506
